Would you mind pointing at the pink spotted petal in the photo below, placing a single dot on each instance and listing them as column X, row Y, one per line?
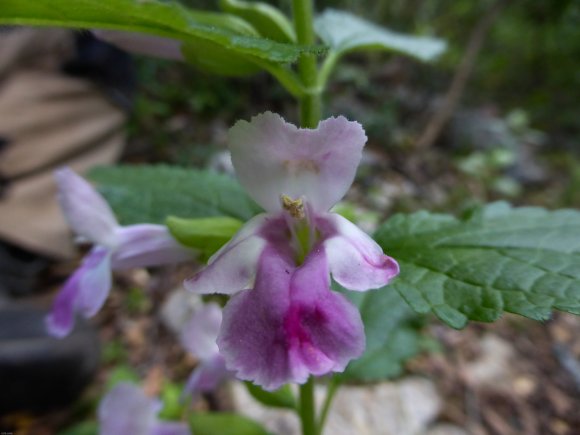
column 84, row 208
column 290, row 325
column 273, row 157
column 233, row 267
column 200, row 333
column 146, row 245
column 85, row 292
column 356, row 261
column 141, row 43
column 326, row 329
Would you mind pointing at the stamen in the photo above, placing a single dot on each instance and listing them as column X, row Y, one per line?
column 294, row 207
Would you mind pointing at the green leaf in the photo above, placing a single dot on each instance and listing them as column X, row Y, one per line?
column 266, row 19
column 172, row 402
column 121, row 373
column 281, row 398
column 151, row 193
column 84, row 428
column 392, row 335
column 224, row 424
column 206, row 235
column 162, row 18
column 213, row 58
column 495, row 259
column 345, row 32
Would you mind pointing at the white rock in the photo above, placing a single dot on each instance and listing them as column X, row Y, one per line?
column 406, row 407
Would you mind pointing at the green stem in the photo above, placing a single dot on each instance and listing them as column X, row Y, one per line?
column 332, row 388
column 310, row 113
column 307, row 408
column 327, row 68
column 310, row 104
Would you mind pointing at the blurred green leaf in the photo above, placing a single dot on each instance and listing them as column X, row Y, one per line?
column 269, row 21
column 345, row 32
column 213, row 58
column 84, row 428
column 162, row 18
column 391, row 336
column 121, row 373
column 151, row 193
column 281, row 398
column 172, row 403
column 206, row 235
column 497, row 258
column 224, row 424
column 113, row 352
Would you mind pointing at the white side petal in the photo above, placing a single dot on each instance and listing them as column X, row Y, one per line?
column 141, row 43
column 233, row 267
column 85, row 209
column 356, row 261
column 95, row 283
column 146, row 245
column 273, row 157
column 200, row 333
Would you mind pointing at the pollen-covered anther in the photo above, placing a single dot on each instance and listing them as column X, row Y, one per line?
column 295, row 207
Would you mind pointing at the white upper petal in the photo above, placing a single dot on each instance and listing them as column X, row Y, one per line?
column 85, row 209
column 146, row 245
column 273, row 157
column 356, row 261
column 233, row 267
column 201, row 331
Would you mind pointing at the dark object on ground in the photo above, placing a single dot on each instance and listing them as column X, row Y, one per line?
column 38, row 372
column 19, row 270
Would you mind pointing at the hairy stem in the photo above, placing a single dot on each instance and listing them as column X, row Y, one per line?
column 307, row 408
column 310, row 104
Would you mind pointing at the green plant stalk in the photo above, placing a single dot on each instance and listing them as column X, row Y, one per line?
column 332, row 388
column 306, row 408
column 310, row 103
column 310, row 113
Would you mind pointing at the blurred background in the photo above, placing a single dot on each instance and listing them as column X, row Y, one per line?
column 497, row 116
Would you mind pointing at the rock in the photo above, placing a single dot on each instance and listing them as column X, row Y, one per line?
column 405, row 407
column 494, row 366
column 38, row 372
column 445, row 429
column 402, row 408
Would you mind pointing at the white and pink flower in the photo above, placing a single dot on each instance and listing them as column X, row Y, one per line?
column 283, row 322
column 114, row 247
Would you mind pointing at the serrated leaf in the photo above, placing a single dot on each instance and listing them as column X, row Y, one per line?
column 162, row 18
column 151, row 193
column 205, row 235
column 212, row 58
column 281, row 398
column 344, row 32
column 391, row 336
column 224, row 424
column 498, row 258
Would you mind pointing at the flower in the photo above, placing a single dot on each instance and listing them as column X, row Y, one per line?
column 127, row 410
column 115, row 247
column 291, row 324
column 199, row 339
